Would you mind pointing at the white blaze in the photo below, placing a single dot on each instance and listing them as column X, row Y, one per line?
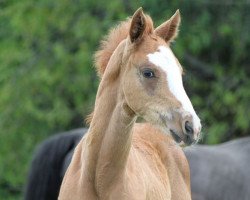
column 165, row 59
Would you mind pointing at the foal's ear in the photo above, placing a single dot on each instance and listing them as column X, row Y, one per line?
column 169, row 29
column 138, row 25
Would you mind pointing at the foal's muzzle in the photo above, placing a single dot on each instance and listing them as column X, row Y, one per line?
column 189, row 131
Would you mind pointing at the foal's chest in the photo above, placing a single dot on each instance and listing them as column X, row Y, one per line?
column 146, row 178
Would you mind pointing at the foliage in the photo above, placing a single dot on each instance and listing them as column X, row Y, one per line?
column 48, row 84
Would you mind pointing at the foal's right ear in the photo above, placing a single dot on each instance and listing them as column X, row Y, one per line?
column 138, row 25
column 169, row 30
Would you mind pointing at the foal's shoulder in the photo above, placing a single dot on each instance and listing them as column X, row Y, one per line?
column 150, row 133
column 147, row 137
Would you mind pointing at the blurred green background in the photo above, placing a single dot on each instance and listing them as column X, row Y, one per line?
column 48, row 83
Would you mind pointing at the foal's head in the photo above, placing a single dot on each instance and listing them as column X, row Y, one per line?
column 152, row 78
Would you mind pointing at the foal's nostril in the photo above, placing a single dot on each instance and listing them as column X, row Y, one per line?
column 189, row 128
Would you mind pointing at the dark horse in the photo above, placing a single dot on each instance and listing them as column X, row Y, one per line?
column 49, row 164
column 219, row 172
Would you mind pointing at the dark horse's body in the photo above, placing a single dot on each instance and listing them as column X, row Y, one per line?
column 220, row 172
column 49, row 164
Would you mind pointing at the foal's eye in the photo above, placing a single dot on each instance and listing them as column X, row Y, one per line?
column 148, row 73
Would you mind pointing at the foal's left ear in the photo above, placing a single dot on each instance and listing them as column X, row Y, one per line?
column 169, row 29
column 138, row 25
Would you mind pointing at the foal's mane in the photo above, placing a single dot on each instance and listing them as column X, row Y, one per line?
column 112, row 40
column 106, row 49
column 109, row 44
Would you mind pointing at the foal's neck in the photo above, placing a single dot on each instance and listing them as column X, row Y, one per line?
column 110, row 135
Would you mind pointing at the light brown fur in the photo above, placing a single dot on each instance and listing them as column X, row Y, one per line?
column 118, row 158
column 109, row 44
column 112, row 40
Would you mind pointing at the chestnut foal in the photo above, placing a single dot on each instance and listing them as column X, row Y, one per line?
column 118, row 158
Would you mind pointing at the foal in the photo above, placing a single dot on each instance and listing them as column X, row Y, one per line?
column 118, row 158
